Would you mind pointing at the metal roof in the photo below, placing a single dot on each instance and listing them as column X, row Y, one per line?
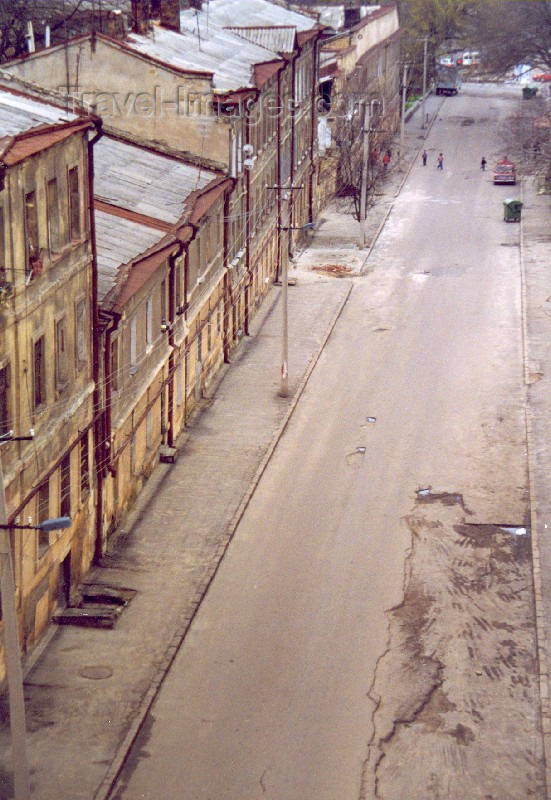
column 19, row 114
column 246, row 12
column 279, row 38
column 145, row 181
column 118, row 241
column 228, row 56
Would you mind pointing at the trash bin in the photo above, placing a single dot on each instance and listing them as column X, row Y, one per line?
column 512, row 210
column 529, row 91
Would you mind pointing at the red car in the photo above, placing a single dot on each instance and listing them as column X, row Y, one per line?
column 544, row 77
column 505, row 173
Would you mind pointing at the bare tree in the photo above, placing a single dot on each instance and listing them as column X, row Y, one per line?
column 526, row 138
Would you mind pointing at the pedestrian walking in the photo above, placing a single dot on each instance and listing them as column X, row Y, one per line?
column 440, row 161
column 483, row 164
column 424, row 157
column 386, row 160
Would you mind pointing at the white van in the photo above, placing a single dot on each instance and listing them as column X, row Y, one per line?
column 471, row 58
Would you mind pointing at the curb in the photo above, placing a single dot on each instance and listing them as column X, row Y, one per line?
column 106, row 787
column 541, row 636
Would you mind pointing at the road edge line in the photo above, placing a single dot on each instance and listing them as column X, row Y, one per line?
column 541, row 636
column 105, row 788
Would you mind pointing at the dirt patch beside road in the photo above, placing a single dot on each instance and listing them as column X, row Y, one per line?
column 457, row 692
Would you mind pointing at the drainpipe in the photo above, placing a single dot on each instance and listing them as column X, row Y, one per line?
column 249, row 280
column 279, row 175
column 98, row 443
column 227, row 286
column 293, row 100
column 313, row 132
column 171, row 359
column 107, row 456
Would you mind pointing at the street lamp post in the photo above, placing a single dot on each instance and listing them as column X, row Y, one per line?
column 403, row 121
column 11, row 638
column 284, row 386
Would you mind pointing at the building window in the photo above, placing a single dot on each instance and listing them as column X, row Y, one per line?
column 84, row 468
column 61, row 375
column 42, row 514
column 39, row 373
column 65, row 487
column 209, row 336
column 5, row 426
column 179, row 385
column 199, row 344
column 163, row 301
column 75, row 225
column 81, row 350
column 219, row 321
column 2, row 246
column 53, row 216
column 148, row 430
column 31, row 234
column 133, row 346
column 149, row 324
column 114, row 365
column 133, row 455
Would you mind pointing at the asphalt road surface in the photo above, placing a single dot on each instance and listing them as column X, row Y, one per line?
column 297, row 680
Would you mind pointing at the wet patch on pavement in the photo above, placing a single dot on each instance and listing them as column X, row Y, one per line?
column 459, row 682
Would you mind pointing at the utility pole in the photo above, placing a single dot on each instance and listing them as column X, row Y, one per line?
column 365, row 163
column 13, row 655
column 425, row 54
column 284, row 386
column 403, row 121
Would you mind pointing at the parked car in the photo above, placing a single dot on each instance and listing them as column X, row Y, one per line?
column 471, row 58
column 447, row 61
column 505, row 173
column 544, row 77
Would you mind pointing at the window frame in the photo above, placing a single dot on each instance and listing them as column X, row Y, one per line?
column 39, row 400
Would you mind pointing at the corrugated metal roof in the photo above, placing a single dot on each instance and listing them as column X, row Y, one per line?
column 145, row 181
column 226, row 55
column 279, row 38
column 118, row 242
column 247, row 12
column 19, row 114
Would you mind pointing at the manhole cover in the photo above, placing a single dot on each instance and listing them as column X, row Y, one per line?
column 98, row 673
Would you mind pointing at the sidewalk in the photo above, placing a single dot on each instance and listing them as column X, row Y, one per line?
column 87, row 690
column 536, row 271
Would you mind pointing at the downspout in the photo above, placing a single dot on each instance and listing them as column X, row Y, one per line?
column 313, row 132
column 227, row 287
column 171, row 320
column 292, row 172
column 107, row 463
column 279, row 174
column 98, row 443
column 249, row 279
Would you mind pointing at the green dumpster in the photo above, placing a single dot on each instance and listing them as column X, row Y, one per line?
column 529, row 91
column 512, row 210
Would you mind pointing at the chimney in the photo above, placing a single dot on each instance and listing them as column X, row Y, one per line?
column 170, row 14
column 140, row 16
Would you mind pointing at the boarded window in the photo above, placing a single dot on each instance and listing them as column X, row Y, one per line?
column 179, row 385
column 81, row 334
column 84, row 467
column 75, row 225
column 5, row 426
column 65, row 487
column 42, row 514
column 53, row 216
column 61, row 361
column 39, row 373
column 31, row 231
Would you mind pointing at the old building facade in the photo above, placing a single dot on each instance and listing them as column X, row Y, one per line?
column 47, row 354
